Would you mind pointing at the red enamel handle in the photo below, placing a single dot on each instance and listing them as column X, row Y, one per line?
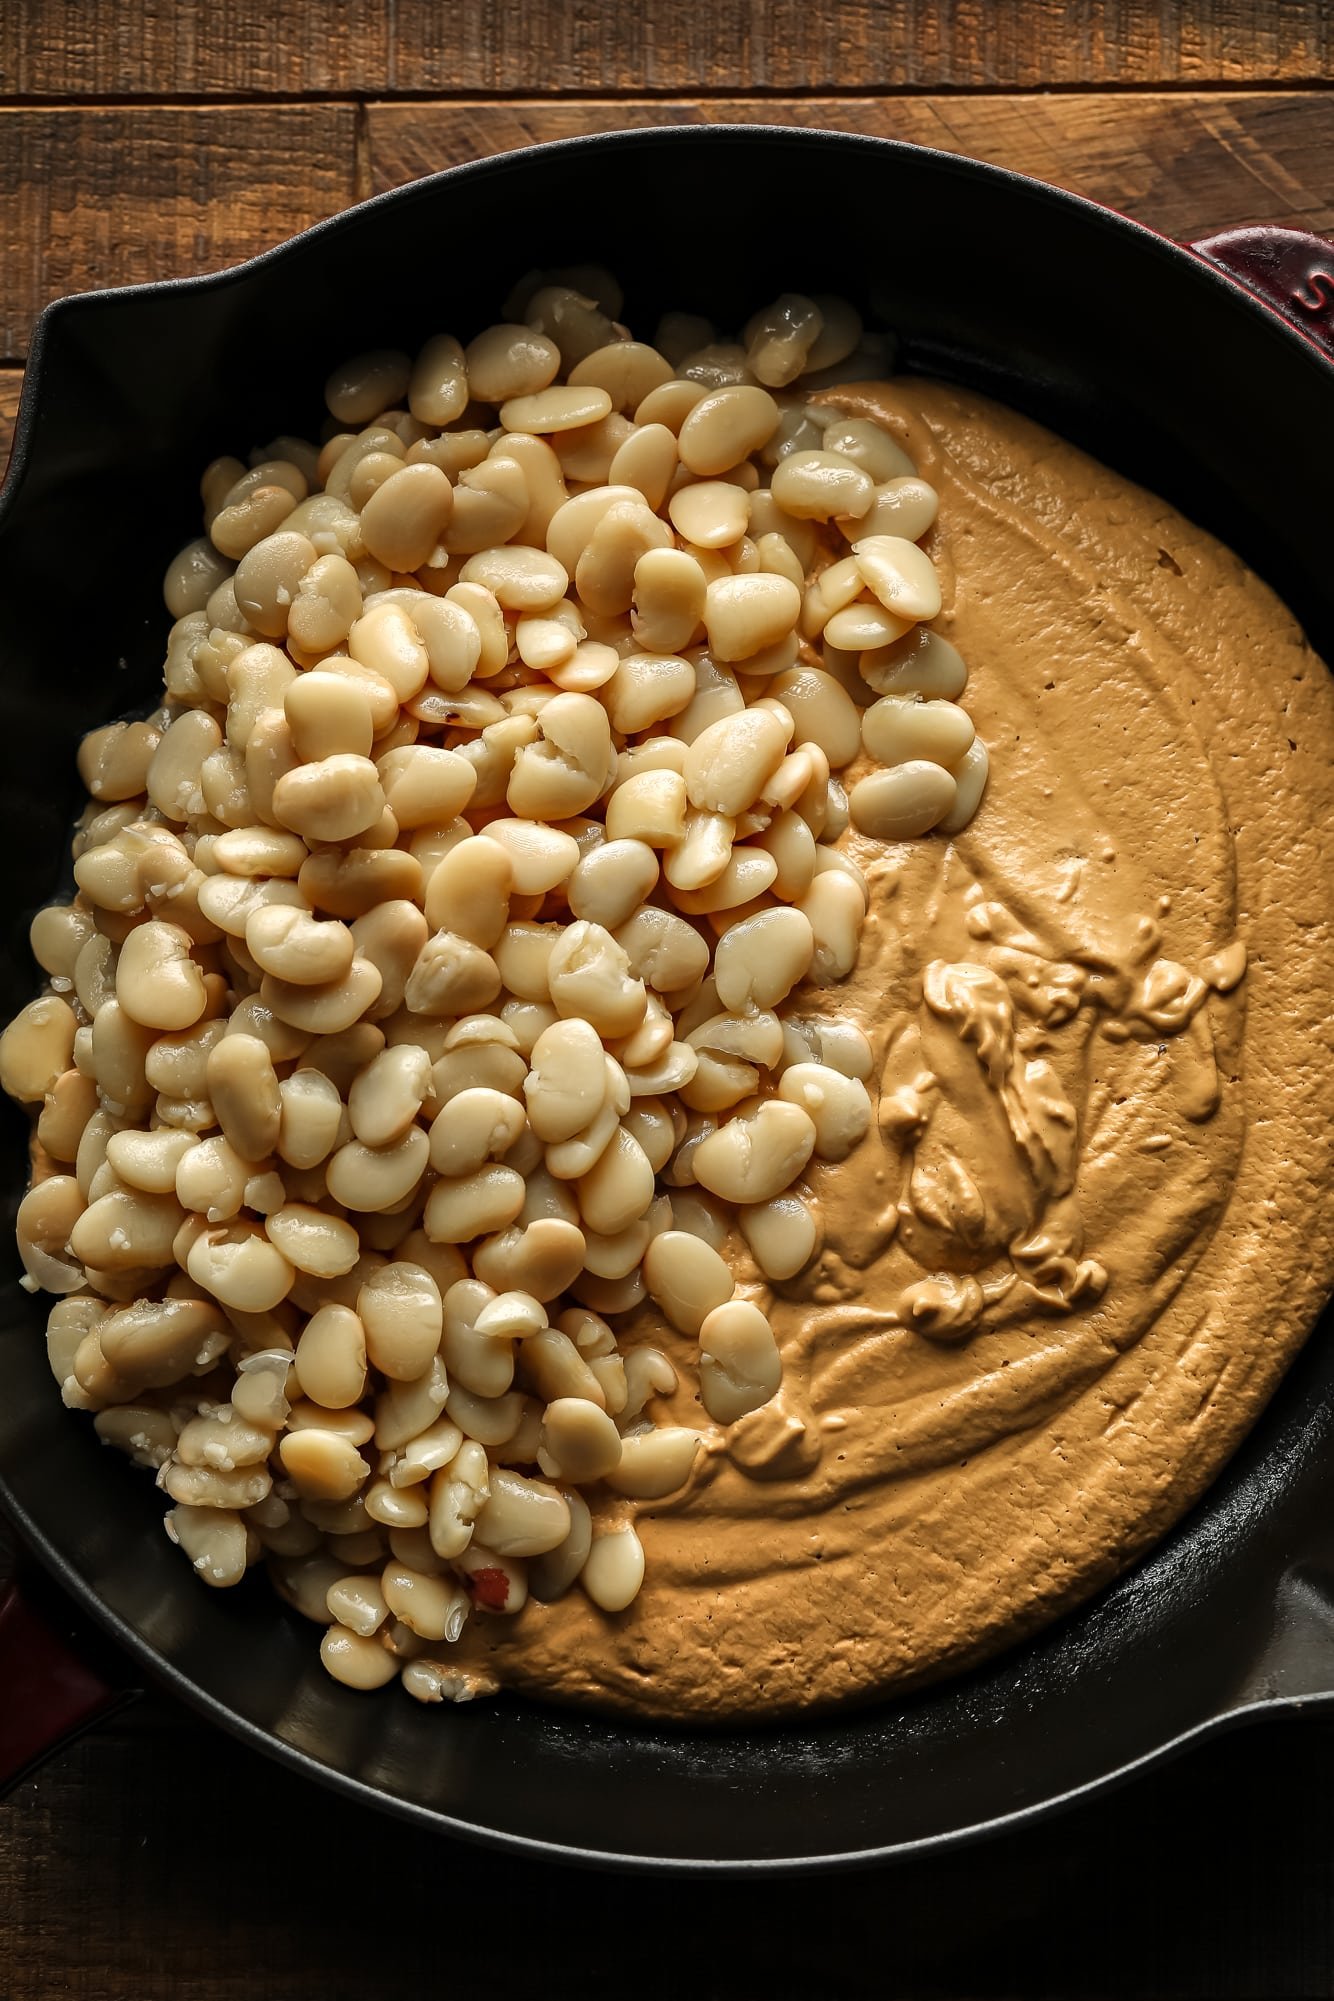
column 1292, row 271
column 51, row 1692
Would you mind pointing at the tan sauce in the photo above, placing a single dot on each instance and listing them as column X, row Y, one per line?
column 1085, row 1235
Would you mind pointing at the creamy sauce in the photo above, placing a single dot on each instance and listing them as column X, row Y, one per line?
column 1084, row 1236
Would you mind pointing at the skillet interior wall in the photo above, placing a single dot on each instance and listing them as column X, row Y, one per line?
column 1154, row 367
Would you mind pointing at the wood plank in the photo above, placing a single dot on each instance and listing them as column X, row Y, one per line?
column 1185, row 162
column 118, row 1882
column 69, row 48
column 166, row 48
column 114, row 196
column 11, row 382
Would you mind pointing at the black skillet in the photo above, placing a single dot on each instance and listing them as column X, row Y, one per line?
column 1143, row 352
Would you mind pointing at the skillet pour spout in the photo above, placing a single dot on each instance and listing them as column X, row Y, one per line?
column 1152, row 358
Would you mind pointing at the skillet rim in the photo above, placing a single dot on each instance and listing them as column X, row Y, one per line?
column 1098, row 218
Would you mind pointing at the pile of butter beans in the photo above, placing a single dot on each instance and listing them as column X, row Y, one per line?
column 442, row 981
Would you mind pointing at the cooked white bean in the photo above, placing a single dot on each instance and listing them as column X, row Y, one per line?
column 899, row 730
column 817, row 485
column 475, row 1126
column 726, row 427
column 559, row 409
column 970, row 782
column 331, row 1358
column 566, row 1084
column 904, row 801
column 870, row 446
column 902, row 576
column 740, row 1368
column 902, row 506
column 757, row 1154
column 835, row 908
column 782, row 1235
column 613, row 1570
column 759, row 960
column 654, row 1463
column 686, row 1277
column 839, row 1106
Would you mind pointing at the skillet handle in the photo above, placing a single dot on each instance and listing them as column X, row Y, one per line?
column 1290, row 270
column 49, row 1691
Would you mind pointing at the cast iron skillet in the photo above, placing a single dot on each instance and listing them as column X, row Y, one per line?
column 1145, row 354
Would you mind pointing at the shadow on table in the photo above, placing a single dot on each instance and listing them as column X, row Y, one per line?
column 156, row 1858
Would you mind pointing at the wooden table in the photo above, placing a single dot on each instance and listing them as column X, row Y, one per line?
column 154, row 1860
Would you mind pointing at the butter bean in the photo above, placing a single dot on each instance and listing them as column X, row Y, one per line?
column 757, row 1154
column 476, row 1126
column 782, row 1235
column 839, row 1106
column 552, row 410
column 870, row 446
column 365, row 384
column 469, row 891
column 899, row 730
column 651, row 807
column 653, row 1464
column 822, row 713
column 322, row 1466
column 540, row 857
column 457, row 1210
column 759, row 960
column 711, row 514
column 402, row 1316
column 647, row 460
column 902, row 576
column 726, row 427
column 313, row 1241
column 355, row 1661
column 296, row 947
column 613, row 1570
column 451, row 976
column 566, row 1084
column 626, row 369
column 327, row 605
column 387, row 1095
column 331, row 1360
column 618, row 1188
column 904, row 506
column 373, row 1179
column 740, row 1368
column 508, row 361
column 686, row 1277
column 611, row 882
column 971, row 782
column 310, row 1111
column 521, row 1517
column 904, row 801
column 331, row 800
column 817, row 485
column 36, row 1048
column 835, row 908
column 406, row 515
column 543, row 1258
column 243, row 1089
column 240, row 1267
column 589, row 977
column 728, row 764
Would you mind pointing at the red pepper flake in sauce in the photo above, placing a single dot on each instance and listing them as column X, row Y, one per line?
column 490, row 1587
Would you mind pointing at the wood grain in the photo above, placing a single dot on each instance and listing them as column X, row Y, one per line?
column 1184, row 162
column 11, row 382
column 112, row 196
column 71, row 48
column 154, row 1859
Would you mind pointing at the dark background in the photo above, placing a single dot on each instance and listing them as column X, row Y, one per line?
column 154, row 1859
